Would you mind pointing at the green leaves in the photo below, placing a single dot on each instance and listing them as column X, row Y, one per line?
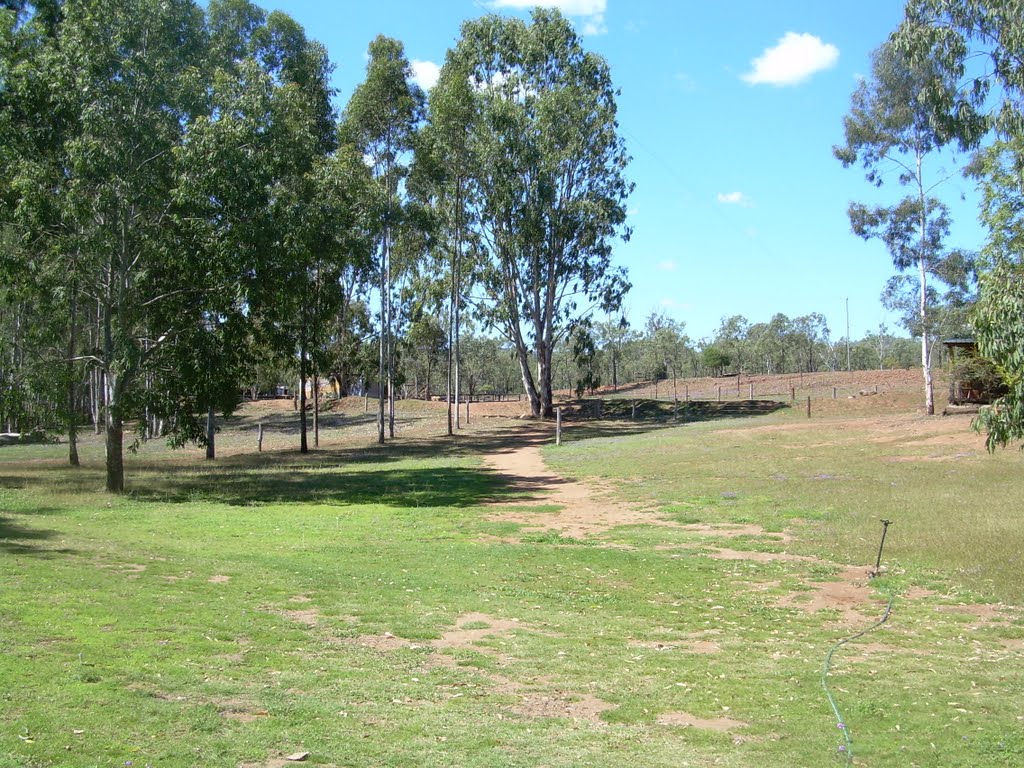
column 546, row 188
column 978, row 44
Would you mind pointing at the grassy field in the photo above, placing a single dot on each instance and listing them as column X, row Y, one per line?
column 422, row 605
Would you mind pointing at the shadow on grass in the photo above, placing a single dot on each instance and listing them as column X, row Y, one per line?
column 661, row 412
column 372, row 474
column 406, row 488
column 288, row 422
column 18, row 539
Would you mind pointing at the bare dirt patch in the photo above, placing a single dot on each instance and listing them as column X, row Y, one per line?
column 242, row 712
column 386, row 642
column 130, row 570
column 586, row 509
column 686, row 720
column 584, row 707
column 309, row 617
column 735, row 530
column 219, row 579
column 760, row 557
column 464, row 636
column 985, row 613
column 847, row 595
column 535, row 699
column 283, row 762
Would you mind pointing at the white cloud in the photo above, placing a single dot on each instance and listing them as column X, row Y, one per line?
column 667, row 266
column 595, row 25
column 794, row 59
column 425, row 73
column 734, row 198
column 592, row 11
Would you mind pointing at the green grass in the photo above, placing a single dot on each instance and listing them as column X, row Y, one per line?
column 220, row 615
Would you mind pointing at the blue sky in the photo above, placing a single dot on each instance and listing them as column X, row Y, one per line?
column 730, row 111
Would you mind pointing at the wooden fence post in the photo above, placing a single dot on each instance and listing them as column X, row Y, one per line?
column 751, row 391
column 467, row 409
column 719, row 393
column 792, row 394
column 808, row 406
column 687, row 386
column 675, row 409
column 634, row 411
column 834, row 393
column 259, row 437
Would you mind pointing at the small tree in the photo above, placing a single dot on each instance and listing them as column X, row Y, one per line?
column 715, row 360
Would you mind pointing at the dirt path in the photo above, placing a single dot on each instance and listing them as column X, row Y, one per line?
column 590, row 508
column 586, row 509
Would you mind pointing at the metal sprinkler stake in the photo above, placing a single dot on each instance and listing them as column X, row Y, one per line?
column 878, row 562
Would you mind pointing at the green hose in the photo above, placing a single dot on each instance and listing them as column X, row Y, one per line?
column 847, row 748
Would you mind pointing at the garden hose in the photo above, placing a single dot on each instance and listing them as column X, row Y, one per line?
column 847, row 747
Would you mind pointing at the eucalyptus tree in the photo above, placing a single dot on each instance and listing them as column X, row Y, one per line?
column 380, row 121
column 732, row 338
column 41, row 250
column 890, row 128
column 998, row 317
column 126, row 69
column 667, row 346
column 444, row 164
column 267, row 217
column 334, row 223
column 548, row 186
column 810, row 334
column 612, row 336
column 980, row 45
column 170, row 185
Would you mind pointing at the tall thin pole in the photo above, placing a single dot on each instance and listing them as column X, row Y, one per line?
column 848, row 334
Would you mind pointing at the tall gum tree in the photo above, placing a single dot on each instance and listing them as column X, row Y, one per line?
column 980, row 45
column 548, row 185
column 440, row 177
column 380, row 120
column 128, row 67
column 889, row 129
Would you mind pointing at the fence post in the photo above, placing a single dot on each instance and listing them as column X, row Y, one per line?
column 719, row 393
column 259, row 437
column 687, row 386
column 634, row 411
column 808, row 406
column 792, row 394
column 751, row 391
column 558, row 425
column 833, row 393
column 675, row 409
column 467, row 409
